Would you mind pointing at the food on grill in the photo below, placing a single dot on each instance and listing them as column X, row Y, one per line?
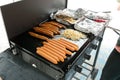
column 38, row 36
column 44, row 55
column 61, row 56
column 64, row 43
column 59, row 50
column 73, row 34
column 48, row 53
column 57, row 46
column 69, row 43
column 56, row 24
column 50, row 27
column 68, row 52
column 43, row 31
column 54, row 43
column 66, row 18
column 46, row 24
column 53, row 50
column 66, row 46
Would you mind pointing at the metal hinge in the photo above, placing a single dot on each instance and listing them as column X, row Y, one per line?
column 14, row 49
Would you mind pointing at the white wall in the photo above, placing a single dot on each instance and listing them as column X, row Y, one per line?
column 3, row 2
column 4, row 44
column 3, row 37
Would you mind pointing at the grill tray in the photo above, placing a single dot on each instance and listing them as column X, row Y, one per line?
column 29, row 44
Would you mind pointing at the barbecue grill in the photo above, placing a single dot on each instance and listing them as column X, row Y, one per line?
column 20, row 17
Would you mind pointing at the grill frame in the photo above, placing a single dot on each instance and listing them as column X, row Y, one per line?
column 50, row 69
column 55, row 71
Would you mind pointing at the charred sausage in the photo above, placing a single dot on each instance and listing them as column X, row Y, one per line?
column 38, row 36
column 43, row 31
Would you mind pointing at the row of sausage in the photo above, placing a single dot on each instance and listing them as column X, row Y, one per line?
column 46, row 30
column 56, row 51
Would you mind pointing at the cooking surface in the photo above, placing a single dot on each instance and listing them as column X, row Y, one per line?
column 29, row 43
column 18, row 26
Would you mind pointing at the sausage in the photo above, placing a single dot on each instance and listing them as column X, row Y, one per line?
column 38, row 36
column 49, row 25
column 50, row 51
column 57, row 52
column 55, row 42
column 68, row 52
column 57, row 46
column 70, row 44
column 49, row 58
column 45, row 43
column 67, row 46
column 51, row 29
column 62, row 48
column 43, row 31
column 57, row 24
